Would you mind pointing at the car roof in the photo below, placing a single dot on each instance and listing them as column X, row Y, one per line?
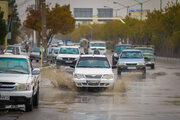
column 131, row 50
column 91, row 55
column 69, row 47
column 13, row 56
column 143, row 48
column 97, row 41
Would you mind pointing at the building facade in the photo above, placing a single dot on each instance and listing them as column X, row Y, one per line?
column 138, row 14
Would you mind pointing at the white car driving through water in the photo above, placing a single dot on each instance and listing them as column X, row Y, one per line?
column 93, row 71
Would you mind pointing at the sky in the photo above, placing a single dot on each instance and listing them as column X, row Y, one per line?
column 151, row 5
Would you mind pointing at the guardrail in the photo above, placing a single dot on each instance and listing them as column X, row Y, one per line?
column 168, row 59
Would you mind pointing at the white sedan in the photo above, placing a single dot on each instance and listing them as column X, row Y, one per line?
column 93, row 71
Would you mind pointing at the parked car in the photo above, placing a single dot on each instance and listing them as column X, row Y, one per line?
column 67, row 55
column 93, row 71
column 97, row 45
column 35, row 54
column 117, row 51
column 131, row 60
column 19, row 83
column 148, row 53
column 16, row 49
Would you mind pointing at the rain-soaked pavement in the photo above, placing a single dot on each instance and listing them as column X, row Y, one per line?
column 156, row 97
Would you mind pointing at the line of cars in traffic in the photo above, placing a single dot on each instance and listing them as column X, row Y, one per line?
column 19, row 83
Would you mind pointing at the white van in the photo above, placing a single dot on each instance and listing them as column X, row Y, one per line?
column 97, row 45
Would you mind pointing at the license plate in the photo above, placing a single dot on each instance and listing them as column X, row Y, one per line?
column 4, row 97
column 92, row 81
column 68, row 61
column 131, row 67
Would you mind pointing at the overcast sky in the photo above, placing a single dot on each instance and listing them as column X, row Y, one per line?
column 151, row 4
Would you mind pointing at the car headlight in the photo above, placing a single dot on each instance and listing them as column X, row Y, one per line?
column 120, row 64
column 141, row 63
column 115, row 54
column 78, row 76
column 108, row 76
column 23, row 87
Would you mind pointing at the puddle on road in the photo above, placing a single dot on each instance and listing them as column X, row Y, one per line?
column 58, row 78
column 155, row 75
column 177, row 74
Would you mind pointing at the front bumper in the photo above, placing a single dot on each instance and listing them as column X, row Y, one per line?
column 15, row 97
column 66, row 62
column 132, row 68
column 35, row 57
column 149, row 63
column 93, row 82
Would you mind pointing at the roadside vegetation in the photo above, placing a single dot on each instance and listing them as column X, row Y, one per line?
column 162, row 29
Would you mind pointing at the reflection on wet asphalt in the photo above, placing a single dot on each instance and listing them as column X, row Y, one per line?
column 155, row 97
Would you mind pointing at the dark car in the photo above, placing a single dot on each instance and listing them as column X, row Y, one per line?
column 118, row 49
column 35, row 54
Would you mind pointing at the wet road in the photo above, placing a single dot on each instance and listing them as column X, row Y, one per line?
column 156, row 97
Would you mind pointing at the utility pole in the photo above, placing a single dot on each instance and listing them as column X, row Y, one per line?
column 160, row 4
column 43, row 27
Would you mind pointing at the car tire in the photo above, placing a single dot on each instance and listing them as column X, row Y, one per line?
column 29, row 105
column 118, row 71
column 36, row 98
column 152, row 66
column 144, row 72
column 31, row 60
column 37, row 60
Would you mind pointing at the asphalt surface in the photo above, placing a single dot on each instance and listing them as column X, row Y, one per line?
column 155, row 97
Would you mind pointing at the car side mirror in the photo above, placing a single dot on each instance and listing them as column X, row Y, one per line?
column 36, row 71
column 114, row 67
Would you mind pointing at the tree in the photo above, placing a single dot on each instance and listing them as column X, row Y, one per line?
column 14, row 21
column 59, row 19
column 3, row 29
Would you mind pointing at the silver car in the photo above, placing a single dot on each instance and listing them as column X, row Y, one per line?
column 131, row 60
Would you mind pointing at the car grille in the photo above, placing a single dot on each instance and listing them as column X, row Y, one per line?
column 93, row 76
column 131, row 64
column 147, row 59
column 7, row 86
column 68, row 58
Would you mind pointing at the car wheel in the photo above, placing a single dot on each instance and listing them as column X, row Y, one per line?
column 36, row 98
column 118, row 71
column 37, row 60
column 152, row 66
column 144, row 72
column 29, row 105
column 31, row 60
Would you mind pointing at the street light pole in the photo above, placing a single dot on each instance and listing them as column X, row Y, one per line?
column 160, row 4
column 123, row 6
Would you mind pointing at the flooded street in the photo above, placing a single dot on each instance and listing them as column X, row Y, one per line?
column 156, row 97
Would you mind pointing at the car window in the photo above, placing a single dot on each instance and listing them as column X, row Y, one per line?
column 56, row 51
column 121, row 48
column 14, row 65
column 69, row 51
column 97, row 45
column 131, row 54
column 93, row 62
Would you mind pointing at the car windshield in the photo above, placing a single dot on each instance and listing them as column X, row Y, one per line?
column 146, row 50
column 69, row 51
column 36, row 50
column 14, row 65
column 10, row 48
column 131, row 54
column 97, row 45
column 121, row 48
column 93, row 62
